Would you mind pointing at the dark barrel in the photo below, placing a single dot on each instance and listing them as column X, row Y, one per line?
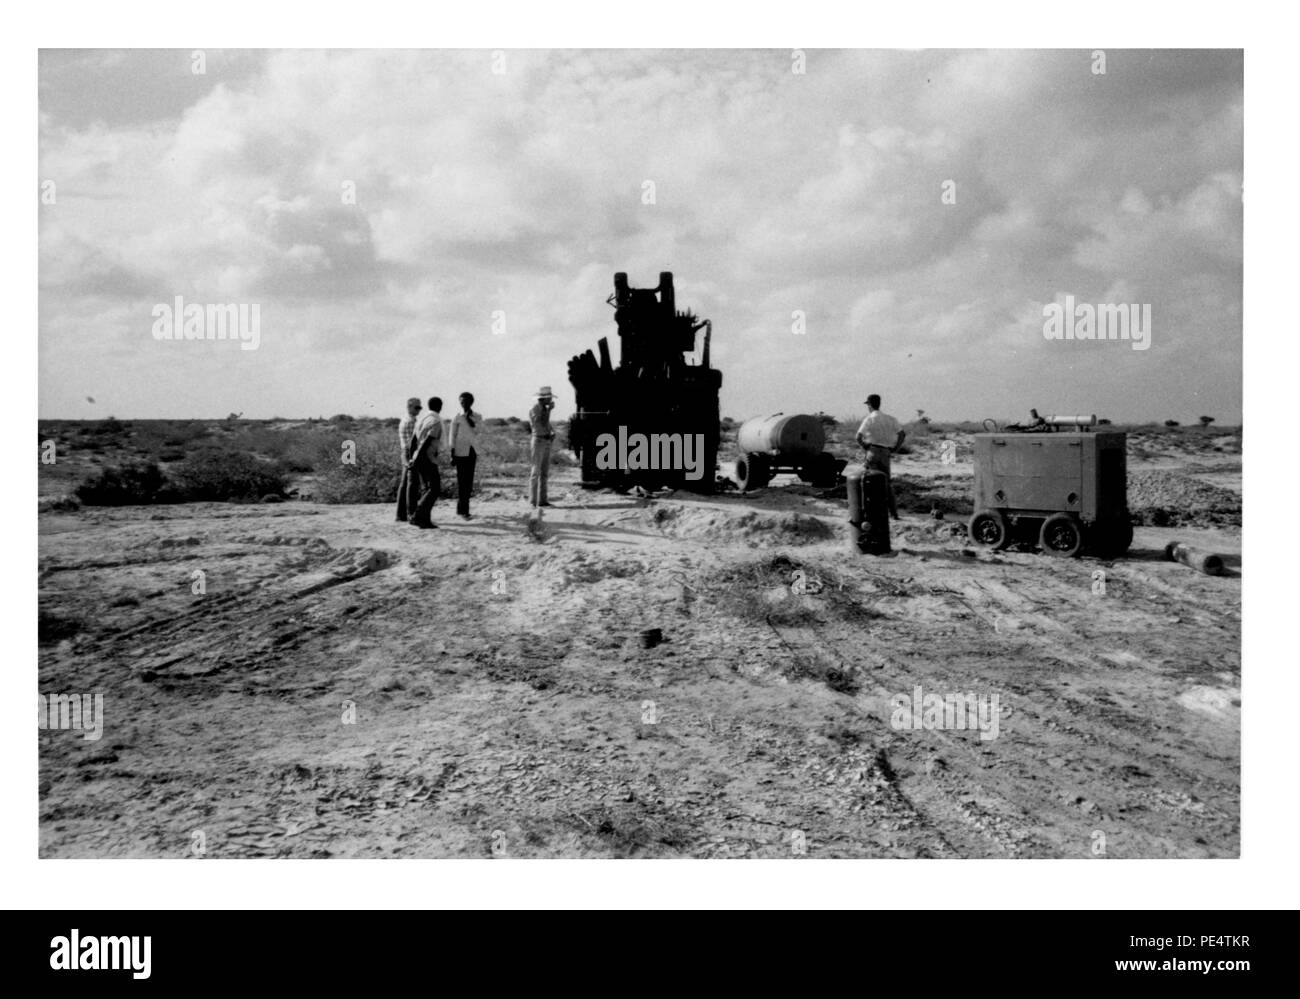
column 868, row 496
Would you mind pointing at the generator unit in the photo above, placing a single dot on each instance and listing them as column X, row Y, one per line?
column 1058, row 482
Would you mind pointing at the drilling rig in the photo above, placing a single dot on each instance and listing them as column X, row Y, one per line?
column 658, row 388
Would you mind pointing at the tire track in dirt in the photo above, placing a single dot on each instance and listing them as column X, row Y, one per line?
column 268, row 615
column 1093, row 728
column 966, row 818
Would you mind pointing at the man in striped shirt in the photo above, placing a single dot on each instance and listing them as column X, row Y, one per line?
column 405, row 434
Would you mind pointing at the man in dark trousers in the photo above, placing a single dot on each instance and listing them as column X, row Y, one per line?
column 464, row 435
column 407, row 492
column 424, row 464
column 881, row 436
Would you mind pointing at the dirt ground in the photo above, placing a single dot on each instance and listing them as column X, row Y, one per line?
column 344, row 685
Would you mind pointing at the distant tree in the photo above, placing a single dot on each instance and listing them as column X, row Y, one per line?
column 1171, row 423
column 1206, row 420
column 1103, row 423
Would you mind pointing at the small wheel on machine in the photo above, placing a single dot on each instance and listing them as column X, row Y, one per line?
column 988, row 529
column 1062, row 536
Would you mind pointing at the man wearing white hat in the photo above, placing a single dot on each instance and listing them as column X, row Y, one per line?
column 539, row 417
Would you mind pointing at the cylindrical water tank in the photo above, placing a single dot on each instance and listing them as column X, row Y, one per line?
column 796, row 435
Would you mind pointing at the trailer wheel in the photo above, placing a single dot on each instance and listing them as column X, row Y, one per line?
column 752, row 472
column 988, row 529
column 1061, row 536
column 825, row 471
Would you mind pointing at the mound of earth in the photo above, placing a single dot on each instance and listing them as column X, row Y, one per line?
column 946, row 493
column 1168, row 499
column 759, row 528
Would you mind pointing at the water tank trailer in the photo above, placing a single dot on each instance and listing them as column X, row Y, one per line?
column 784, row 442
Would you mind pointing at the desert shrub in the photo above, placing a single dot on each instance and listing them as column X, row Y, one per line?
column 299, row 460
column 218, row 475
column 122, row 485
column 372, row 479
column 183, row 435
column 60, row 504
column 1171, row 423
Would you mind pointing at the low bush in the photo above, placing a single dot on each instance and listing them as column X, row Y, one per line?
column 372, row 478
column 217, row 475
column 59, row 504
column 123, row 485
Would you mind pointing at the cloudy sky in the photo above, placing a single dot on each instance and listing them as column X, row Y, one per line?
column 516, row 183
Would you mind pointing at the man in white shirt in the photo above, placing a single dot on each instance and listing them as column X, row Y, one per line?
column 880, row 436
column 464, row 434
column 406, row 490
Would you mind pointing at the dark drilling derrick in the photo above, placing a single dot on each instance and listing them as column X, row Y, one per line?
column 657, row 389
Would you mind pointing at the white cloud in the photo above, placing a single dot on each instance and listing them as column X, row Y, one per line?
column 522, row 191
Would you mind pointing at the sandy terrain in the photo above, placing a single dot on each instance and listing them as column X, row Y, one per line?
column 504, row 705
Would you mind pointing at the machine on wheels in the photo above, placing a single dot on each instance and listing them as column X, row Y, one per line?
column 657, row 388
column 1058, row 483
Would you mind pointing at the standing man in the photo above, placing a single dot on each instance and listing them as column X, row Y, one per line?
column 406, row 491
column 539, row 418
column 464, row 434
column 880, row 436
column 423, row 464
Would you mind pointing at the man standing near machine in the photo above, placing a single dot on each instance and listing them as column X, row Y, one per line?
column 539, row 420
column 880, row 436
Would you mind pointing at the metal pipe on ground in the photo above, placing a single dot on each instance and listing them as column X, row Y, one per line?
column 1198, row 559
